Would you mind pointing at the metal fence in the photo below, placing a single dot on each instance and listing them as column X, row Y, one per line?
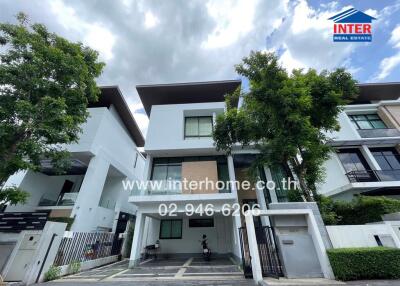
column 84, row 246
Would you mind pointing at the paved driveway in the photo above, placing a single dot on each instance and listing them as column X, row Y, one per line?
column 174, row 271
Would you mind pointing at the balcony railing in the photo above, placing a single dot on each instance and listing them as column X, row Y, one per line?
column 373, row 176
column 376, row 133
column 165, row 187
column 66, row 199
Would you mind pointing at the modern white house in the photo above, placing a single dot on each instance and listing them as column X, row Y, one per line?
column 179, row 147
column 91, row 190
column 367, row 158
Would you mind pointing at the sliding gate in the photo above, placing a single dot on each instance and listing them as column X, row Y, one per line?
column 268, row 251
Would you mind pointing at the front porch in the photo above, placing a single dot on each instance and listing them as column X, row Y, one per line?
column 179, row 235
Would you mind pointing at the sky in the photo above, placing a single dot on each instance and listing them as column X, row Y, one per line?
column 159, row 41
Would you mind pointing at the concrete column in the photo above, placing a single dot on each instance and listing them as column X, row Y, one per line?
column 137, row 240
column 370, row 158
column 253, row 247
column 89, row 195
column 236, row 219
column 272, row 193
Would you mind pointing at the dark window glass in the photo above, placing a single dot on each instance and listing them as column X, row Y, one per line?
column 196, row 127
column 171, row 229
column 206, row 222
column 387, row 158
column 352, row 160
column 279, row 173
column 367, row 121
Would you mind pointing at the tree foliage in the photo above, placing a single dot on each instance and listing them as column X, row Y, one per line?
column 46, row 83
column 286, row 115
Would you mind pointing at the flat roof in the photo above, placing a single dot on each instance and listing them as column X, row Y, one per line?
column 377, row 91
column 188, row 92
column 111, row 95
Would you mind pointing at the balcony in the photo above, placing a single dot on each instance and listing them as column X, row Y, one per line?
column 165, row 187
column 373, row 176
column 66, row 199
column 377, row 133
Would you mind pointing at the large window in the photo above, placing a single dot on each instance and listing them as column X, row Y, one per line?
column 387, row 158
column 356, row 166
column 367, row 121
column 171, row 229
column 197, row 127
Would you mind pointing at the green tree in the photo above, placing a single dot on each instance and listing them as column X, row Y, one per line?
column 285, row 116
column 46, row 83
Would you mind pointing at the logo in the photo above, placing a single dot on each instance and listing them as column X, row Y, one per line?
column 352, row 26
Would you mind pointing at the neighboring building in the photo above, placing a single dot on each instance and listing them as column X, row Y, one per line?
column 367, row 158
column 91, row 191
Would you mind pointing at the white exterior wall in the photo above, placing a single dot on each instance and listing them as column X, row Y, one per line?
column 335, row 175
column 166, row 127
column 347, row 131
column 361, row 235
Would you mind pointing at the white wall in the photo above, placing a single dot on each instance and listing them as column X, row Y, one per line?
column 361, row 235
column 335, row 175
column 346, row 132
column 219, row 237
column 166, row 126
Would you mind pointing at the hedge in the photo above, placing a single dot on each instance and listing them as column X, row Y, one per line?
column 365, row 263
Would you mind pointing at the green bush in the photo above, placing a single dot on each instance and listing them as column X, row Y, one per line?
column 68, row 220
column 53, row 273
column 360, row 210
column 74, row 267
column 365, row 263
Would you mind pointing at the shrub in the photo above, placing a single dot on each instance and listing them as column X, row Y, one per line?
column 360, row 210
column 74, row 267
column 53, row 273
column 365, row 263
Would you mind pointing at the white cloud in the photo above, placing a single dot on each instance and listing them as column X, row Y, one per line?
column 388, row 64
column 150, row 20
column 233, row 20
column 305, row 38
column 94, row 35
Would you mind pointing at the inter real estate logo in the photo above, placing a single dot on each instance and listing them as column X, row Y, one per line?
column 352, row 26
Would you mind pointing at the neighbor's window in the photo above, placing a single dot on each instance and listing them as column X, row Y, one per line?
column 171, row 229
column 367, row 121
column 201, row 222
column 196, row 127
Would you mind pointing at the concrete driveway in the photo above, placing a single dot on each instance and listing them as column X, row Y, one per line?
column 174, row 271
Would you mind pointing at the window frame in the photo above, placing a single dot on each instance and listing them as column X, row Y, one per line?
column 370, row 121
column 198, row 128
column 170, row 221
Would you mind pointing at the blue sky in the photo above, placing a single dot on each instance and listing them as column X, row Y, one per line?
column 158, row 41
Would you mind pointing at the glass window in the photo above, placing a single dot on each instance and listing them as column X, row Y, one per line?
column 198, row 126
column 191, row 127
column 367, row 121
column 171, row 229
column 352, row 160
column 387, row 158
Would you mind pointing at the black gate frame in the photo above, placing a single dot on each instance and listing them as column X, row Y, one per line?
column 268, row 250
